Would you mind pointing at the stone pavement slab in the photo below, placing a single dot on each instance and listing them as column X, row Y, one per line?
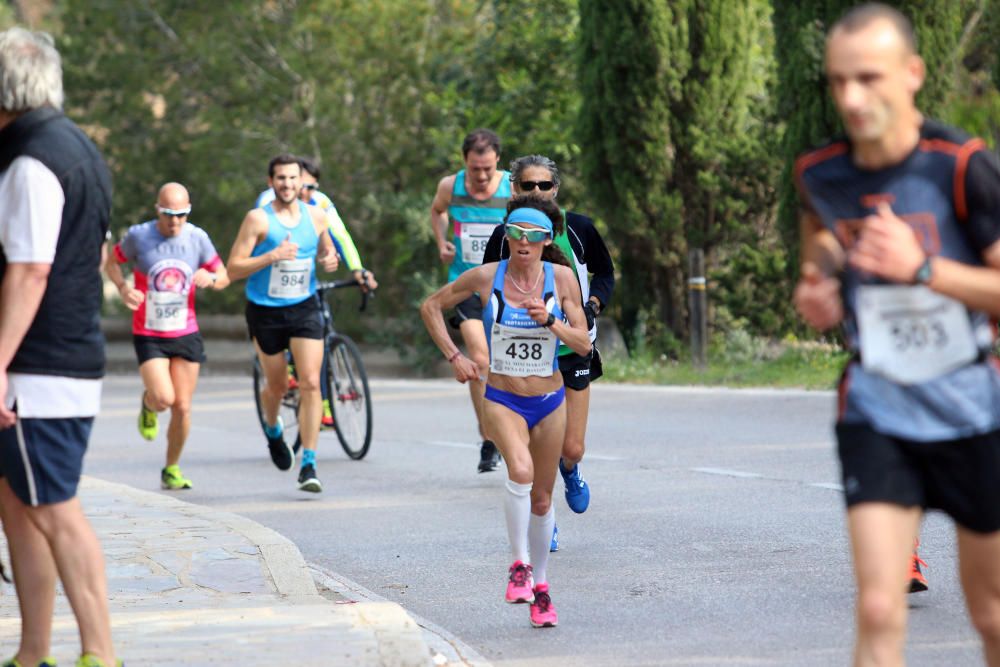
column 189, row 585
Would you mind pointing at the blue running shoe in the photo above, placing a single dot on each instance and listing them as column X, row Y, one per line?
column 577, row 491
column 554, row 544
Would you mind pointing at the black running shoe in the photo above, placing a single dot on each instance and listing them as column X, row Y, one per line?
column 308, row 481
column 489, row 456
column 281, row 453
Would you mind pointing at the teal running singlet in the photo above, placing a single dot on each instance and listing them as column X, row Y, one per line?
column 473, row 221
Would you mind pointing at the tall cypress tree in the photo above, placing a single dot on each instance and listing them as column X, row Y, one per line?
column 633, row 57
column 672, row 150
column 800, row 33
column 719, row 122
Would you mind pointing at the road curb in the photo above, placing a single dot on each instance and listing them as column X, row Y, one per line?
column 284, row 561
column 447, row 649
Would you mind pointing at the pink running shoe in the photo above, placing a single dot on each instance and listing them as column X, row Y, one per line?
column 543, row 614
column 519, row 585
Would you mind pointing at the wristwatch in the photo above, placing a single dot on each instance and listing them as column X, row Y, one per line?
column 549, row 322
column 924, row 273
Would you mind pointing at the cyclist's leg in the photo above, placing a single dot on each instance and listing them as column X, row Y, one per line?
column 275, row 370
column 324, row 383
column 324, row 388
column 185, row 377
column 308, row 356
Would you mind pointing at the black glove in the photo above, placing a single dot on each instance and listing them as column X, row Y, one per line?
column 591, row 313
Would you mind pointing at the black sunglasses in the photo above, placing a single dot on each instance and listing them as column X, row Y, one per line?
column 544, row 186
column 310, row 186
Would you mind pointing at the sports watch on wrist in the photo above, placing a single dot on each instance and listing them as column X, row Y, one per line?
column 924, row 273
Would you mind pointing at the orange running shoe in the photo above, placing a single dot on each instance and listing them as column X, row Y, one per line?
column 918, row 582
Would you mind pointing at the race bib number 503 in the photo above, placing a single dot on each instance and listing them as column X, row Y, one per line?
column 912, row 334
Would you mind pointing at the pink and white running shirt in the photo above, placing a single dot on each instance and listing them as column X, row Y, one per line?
column 163, row 267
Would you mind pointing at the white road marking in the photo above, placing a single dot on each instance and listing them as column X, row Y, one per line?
column 465, row 445
column 726, row 472
column 828, row 485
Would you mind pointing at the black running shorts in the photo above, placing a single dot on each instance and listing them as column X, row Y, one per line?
column 190, row 347
column 273, row 328
column 470, row 309
column 578, row 372
column 960, row 477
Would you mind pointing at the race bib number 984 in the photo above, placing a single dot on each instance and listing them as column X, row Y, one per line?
column 290, row 278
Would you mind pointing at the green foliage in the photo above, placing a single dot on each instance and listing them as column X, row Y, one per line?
column 751, row 288
column 738, row 360
column 380, row 92
column 676, row 129
column 632, row 61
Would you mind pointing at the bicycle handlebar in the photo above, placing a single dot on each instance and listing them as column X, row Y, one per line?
column 323, row 286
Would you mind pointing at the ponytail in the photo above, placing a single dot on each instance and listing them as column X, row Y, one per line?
column 554, row 254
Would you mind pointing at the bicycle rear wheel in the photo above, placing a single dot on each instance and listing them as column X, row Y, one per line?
column 288, row 410
column 349, row 397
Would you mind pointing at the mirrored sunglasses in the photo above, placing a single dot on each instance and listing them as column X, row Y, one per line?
column 544, row 186
column 174, row 212
column 310, row 186
column 533, row 235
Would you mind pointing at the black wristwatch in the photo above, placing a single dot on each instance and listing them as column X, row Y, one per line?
column 549, row 322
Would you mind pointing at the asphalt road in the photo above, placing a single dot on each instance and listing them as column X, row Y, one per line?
column 715, row 534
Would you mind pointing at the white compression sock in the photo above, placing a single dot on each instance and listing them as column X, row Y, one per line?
column 517, row 508
column 540, row 538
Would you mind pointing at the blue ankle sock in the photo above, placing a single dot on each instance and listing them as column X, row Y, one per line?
column 273, row 431
column 308, row 457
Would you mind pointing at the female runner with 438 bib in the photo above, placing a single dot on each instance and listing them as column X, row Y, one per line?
column 531, row 302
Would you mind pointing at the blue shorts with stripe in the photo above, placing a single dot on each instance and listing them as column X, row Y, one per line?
column 42, row 459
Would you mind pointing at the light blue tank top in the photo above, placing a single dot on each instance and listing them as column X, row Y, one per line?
column 303, row 234
column 497, row 310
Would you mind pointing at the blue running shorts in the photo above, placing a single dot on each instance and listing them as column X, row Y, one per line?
column 533, row 408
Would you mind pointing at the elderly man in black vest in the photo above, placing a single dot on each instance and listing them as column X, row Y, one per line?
column 55, row 206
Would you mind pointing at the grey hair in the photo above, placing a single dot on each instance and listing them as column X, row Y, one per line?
column 30, row 71
column 518, row 165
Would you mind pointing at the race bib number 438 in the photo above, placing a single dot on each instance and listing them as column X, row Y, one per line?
column 522, row 352
column 912, row 334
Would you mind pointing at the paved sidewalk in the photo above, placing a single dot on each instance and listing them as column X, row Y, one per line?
column 193, row 586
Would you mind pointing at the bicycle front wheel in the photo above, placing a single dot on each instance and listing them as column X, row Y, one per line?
column 349, row 397
column 288, row 410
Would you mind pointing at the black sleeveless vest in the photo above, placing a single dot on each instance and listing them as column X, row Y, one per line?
column 65, row 337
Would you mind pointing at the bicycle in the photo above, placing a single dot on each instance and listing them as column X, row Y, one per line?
column 346, row 381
